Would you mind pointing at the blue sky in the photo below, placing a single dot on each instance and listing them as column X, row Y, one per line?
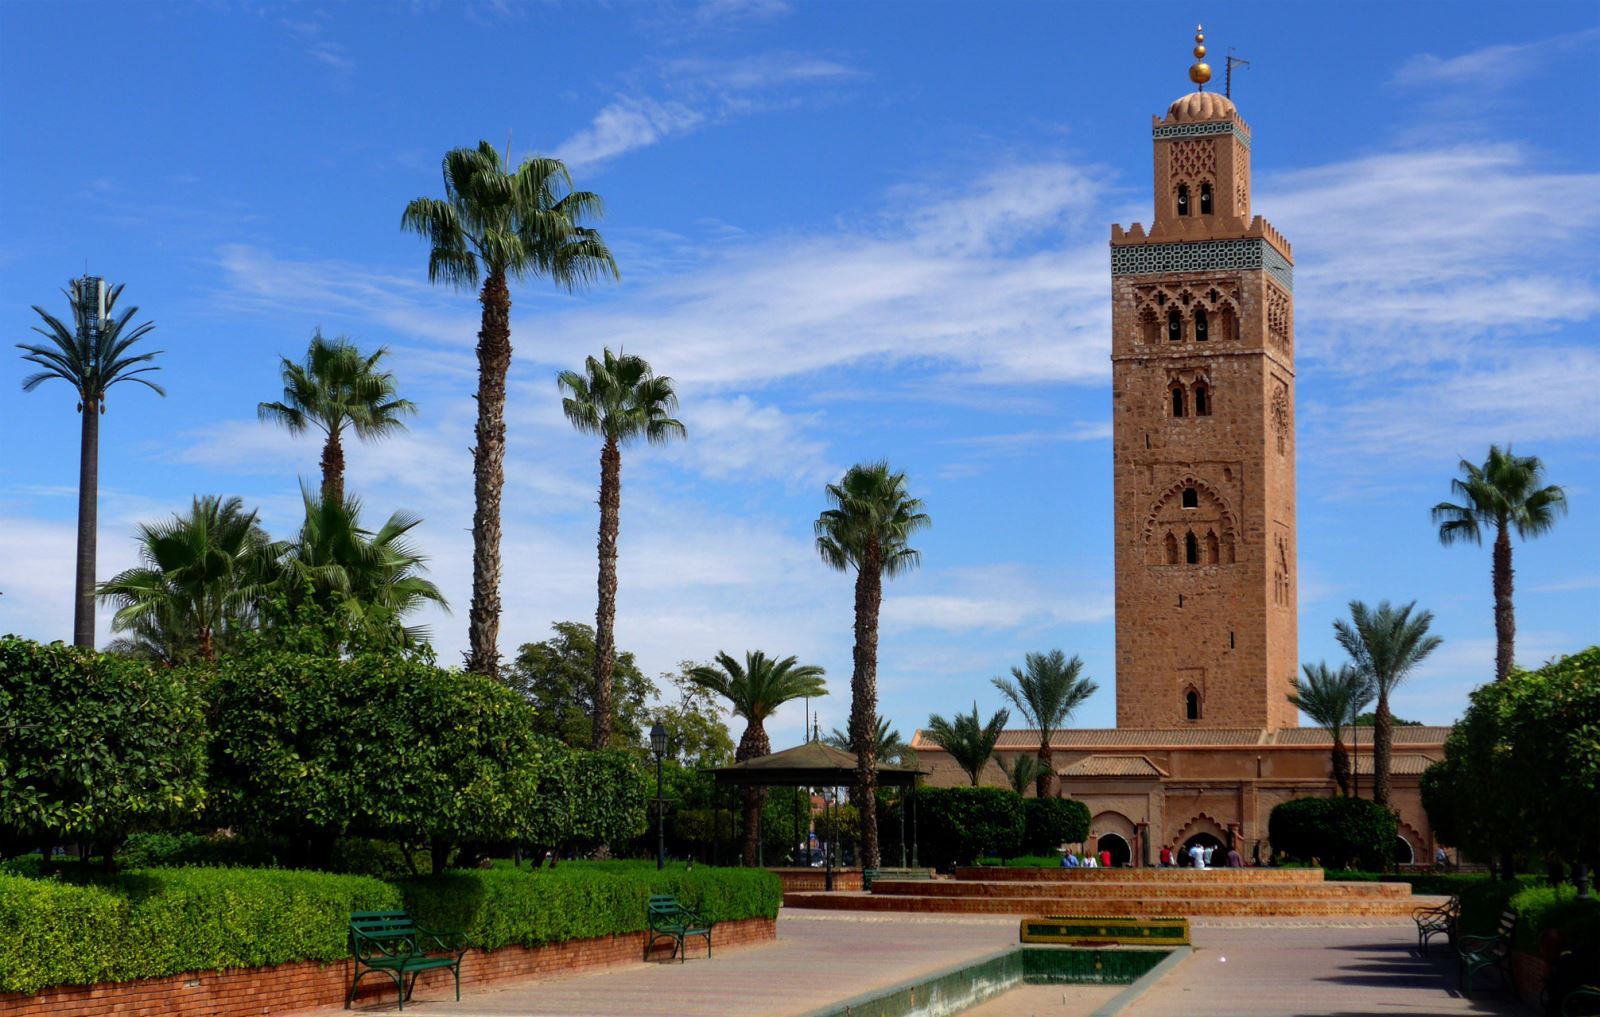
column 849, row 231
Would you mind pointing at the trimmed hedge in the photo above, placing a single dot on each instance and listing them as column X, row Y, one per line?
column 498, row 907
column 1052, row 822
column 1339, row 831
column 962, row 824
column 1538, row 907
column 153, row 922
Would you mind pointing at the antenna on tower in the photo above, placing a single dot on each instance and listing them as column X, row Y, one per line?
column 1227, row 75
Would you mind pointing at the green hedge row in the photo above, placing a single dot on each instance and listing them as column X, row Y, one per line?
column 1538, row 908
column 147, row 923
column 151, row 922
column 499, row 907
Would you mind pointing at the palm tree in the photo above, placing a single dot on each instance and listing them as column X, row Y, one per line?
column 336, row 387
column 201, row 578
column 1047, row 693
column 755, row 690
column 91, row 356
column 968, row 739
column 868, row 529
column 618, row 398
column 1386, row 645
column 892, row 748
column 373, row 579
column 1507, row 492
column 1333, row 700
column 1021, row 771
column 508, row 226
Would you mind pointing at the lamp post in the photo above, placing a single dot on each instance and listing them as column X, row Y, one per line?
column 658, row 745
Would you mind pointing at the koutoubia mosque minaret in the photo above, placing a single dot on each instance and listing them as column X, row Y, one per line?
column 1202, row 367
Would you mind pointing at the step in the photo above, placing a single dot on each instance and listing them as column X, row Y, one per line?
column 1282, row 907
column 987, row 874
column 1149, row 889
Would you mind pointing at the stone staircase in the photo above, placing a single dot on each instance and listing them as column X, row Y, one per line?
column 1242, row 893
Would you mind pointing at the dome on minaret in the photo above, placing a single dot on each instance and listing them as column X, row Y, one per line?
column 1200, row 106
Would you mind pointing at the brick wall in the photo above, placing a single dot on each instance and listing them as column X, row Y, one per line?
column 259, row 992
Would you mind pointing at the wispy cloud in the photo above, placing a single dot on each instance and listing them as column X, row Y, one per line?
column 624, row 125
column 1492, row 67
column 314, row 43
column 720, row 11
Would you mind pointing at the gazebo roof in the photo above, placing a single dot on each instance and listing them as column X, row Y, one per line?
column 813, row 764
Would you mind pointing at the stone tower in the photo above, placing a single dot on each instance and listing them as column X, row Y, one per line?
column 1202, row 367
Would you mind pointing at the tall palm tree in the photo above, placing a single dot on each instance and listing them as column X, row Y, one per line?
column 337, row 387
column 502, row 225
column 201, row 576
column 754, row 690
column 1020, row 772
column 618, row 398
column 892, row 748
column 373, row 578
column 91, row 356
column 1508, row 493
column 1333, row 700
column 1386, row 644
column 1047, row 693
column 968, row 739
column 869, row 529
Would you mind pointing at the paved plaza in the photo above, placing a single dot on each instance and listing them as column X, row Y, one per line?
column 1239, row 968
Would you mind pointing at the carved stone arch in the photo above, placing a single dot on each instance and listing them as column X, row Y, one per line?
column 1230, row 521
column 1415, row 840
column 1112, row 821
column 1201, row 823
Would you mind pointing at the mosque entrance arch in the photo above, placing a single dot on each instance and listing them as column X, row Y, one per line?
column 1121, row 850
column 1219, row 850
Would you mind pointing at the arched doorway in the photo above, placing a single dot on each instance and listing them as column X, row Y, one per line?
column 1121, row 850
column 1403, row 853
column 1219, row 850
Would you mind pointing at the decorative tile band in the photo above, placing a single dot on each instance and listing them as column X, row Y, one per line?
column 1201, row 130
column 1203, row 256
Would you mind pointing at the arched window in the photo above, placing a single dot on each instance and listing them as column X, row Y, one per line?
column 1191, row 705
column 1191, row 548
column 1172, row 549
column 1201, row 332
column 1202, row 400
column 1150, row 326
column 1225, row 325
column 1177, row 400
column 1174, row 326
column 1213, row 548
column 1191, row 498
column 1205, row 199
column 1183, row 199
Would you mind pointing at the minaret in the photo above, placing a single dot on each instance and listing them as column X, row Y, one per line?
column 1202, row 368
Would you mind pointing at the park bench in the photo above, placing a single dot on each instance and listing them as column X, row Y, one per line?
column 1479, row 952
column 391, row 942
column 1438, row 920
column 869, row 876
column 669, row 919
column 1582, row 1002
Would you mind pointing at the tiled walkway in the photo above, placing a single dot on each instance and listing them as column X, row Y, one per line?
column 1238, row 969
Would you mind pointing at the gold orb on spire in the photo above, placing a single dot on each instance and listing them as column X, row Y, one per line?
column 1200, row 73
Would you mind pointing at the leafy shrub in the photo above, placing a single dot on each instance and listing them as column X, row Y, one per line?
column 586, row 798
column 960, row 824
column 1339, row 831
column 153, row 850
column 1052, row 822
column 93, row 746
column 379, row 746
column 497, row 907
column 151, row 922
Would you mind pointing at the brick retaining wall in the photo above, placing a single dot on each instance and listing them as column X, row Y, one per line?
column 260, row 992
column 812, row 879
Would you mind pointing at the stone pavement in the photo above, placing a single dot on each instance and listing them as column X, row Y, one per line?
column 1284, row 969
column 1240, row 968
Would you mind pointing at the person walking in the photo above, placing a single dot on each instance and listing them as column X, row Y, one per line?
column 1166, row 858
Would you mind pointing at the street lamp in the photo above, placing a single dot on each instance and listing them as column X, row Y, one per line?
column 658, row 745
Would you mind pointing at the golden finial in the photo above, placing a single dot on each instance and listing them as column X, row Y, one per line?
column 1200, row 73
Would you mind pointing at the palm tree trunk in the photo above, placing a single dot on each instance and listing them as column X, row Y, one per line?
column 88, row 525
column 1505, row 622
column 1382, row 738
column 752, row 745
column 489, row 476
column 1047, row 768
column 333, row 468
column 605, row 614
column 864, row 700
column 1341, row 764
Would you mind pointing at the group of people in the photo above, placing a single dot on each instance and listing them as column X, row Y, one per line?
column 1088, row 861
column 1199, row 857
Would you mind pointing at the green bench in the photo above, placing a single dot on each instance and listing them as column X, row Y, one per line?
column 1439, row 920
column 1479, row 952
column 668, row 919
column 1581, row 1002
column 870, row 876
column 392, row 943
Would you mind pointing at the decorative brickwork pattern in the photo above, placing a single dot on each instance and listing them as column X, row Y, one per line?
column 1169, row 131
column 1193, row 161
column 261, row 992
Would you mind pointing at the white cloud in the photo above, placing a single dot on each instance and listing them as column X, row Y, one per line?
column 624, row 125
column 738, row 437
column 992, row 597
column 1492, row 67
column 740, row 10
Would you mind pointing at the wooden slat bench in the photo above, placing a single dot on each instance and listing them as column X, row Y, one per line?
column 392, row 943
column 869, row 876
column 1479, row 952
column 668, row 919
